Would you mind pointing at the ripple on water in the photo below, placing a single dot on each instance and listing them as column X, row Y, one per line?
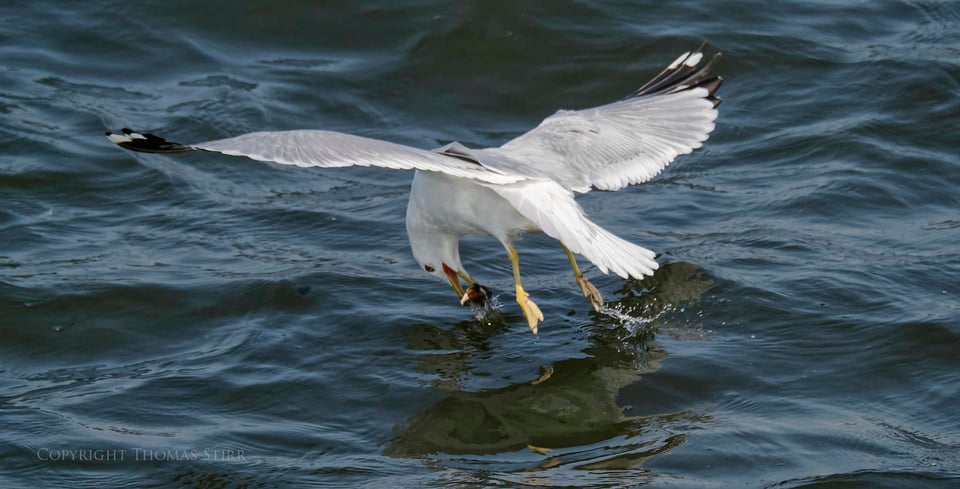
column 800, row 333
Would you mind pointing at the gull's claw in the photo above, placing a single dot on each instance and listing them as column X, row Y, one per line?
column 590, row 292
column 529, row 308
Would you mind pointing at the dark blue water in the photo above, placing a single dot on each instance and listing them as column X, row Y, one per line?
column 204, row 321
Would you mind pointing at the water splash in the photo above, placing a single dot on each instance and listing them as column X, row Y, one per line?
column 634, row 325
column 489, row 311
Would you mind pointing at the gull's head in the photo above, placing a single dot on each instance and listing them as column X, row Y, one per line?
column 434, row 262
column 434, row 268
column 437, row 254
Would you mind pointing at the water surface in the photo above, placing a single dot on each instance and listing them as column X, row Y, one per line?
column 204, row 321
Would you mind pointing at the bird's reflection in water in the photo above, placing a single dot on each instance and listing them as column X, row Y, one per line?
column 569, row 415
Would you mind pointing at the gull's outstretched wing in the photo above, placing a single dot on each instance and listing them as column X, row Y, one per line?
column 629, row 141
column 554, row 210
column 325, row 149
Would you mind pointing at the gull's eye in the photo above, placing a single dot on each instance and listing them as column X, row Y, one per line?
column 429, row 269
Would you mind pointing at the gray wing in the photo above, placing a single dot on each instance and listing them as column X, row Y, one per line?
column 626, row 142
column 323, row 149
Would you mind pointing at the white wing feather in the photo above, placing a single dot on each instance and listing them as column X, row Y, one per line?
column 618, row 144
column 333, row 149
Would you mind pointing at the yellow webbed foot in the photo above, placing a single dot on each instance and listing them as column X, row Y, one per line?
column 530, row 309
column 590, row 292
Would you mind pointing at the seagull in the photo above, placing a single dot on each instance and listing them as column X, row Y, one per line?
column 526, row 185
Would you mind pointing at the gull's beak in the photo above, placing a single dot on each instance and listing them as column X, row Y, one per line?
column 454, row 280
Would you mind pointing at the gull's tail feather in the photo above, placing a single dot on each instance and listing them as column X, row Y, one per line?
column 554, row 210
column 610, row 252
column 146, row 143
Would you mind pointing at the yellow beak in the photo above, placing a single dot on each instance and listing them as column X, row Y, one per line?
column 453, row 279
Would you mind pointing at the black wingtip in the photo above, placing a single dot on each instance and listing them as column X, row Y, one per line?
column 683, row 75
column 145, row 143
column 712, row 85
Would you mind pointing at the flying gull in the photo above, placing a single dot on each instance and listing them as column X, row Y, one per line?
column 526, row 185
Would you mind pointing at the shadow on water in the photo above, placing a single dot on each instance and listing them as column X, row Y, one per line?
column 569, row 416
